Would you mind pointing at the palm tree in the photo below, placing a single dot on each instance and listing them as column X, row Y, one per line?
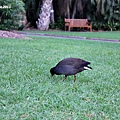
column 44, row 16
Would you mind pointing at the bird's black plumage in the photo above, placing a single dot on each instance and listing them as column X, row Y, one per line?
column 70, row 66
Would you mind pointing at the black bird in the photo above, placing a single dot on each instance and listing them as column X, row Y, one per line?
column 70, row 66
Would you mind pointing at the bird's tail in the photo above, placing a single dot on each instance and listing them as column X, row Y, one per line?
column 85, row 65
column 87, row 68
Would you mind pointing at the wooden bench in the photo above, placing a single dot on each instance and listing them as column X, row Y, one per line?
column 82, row 23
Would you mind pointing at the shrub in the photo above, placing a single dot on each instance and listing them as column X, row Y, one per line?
column 107, row 26
column 11, row 14
column 59, row 24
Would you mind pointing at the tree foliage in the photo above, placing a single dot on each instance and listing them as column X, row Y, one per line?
column 11, row 14
column 105, row 14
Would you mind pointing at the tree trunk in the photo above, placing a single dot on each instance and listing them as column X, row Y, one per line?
column 74, row 10
column 68, row 9
column 44, row 16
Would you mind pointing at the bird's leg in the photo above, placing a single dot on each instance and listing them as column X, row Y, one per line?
column 74, row 78
column 64, row 77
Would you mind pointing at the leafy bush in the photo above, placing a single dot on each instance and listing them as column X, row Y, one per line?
column 11, row 14
column 109, row 26
column 58, row 25
column 105, row 14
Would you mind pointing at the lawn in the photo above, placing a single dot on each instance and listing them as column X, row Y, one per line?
column 28, row 92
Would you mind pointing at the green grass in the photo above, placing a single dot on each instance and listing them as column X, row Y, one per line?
column 106, row 35
column 27, row 91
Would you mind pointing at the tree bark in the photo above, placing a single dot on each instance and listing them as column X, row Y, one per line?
column 74, row 9
column 44, row 16
column 68, row 9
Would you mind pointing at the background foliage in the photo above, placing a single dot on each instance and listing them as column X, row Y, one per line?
column 104, row 14
column 10, row 17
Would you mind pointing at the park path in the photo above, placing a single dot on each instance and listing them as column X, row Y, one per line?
column 69, row 37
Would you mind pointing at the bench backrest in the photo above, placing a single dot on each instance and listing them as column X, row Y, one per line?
column 67, row 20
column 78, row 22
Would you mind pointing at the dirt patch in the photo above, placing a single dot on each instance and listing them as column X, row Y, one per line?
column 11, row 34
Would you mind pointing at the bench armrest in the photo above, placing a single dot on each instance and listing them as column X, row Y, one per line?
column 89, row 23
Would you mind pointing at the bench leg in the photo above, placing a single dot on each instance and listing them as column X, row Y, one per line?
column 65, row 28
column 68, row 28
column 90, row 29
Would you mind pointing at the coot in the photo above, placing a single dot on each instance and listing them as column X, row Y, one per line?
column 70, row 66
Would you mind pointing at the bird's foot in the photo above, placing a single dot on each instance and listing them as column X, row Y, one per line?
column 74, row 78
column 64, row 78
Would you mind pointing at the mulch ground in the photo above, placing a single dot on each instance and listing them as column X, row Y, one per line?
column 11, row 34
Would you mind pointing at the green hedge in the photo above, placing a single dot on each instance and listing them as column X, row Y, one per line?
column 11, row 14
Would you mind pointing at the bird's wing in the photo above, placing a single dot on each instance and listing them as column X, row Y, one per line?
column 70, row 61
